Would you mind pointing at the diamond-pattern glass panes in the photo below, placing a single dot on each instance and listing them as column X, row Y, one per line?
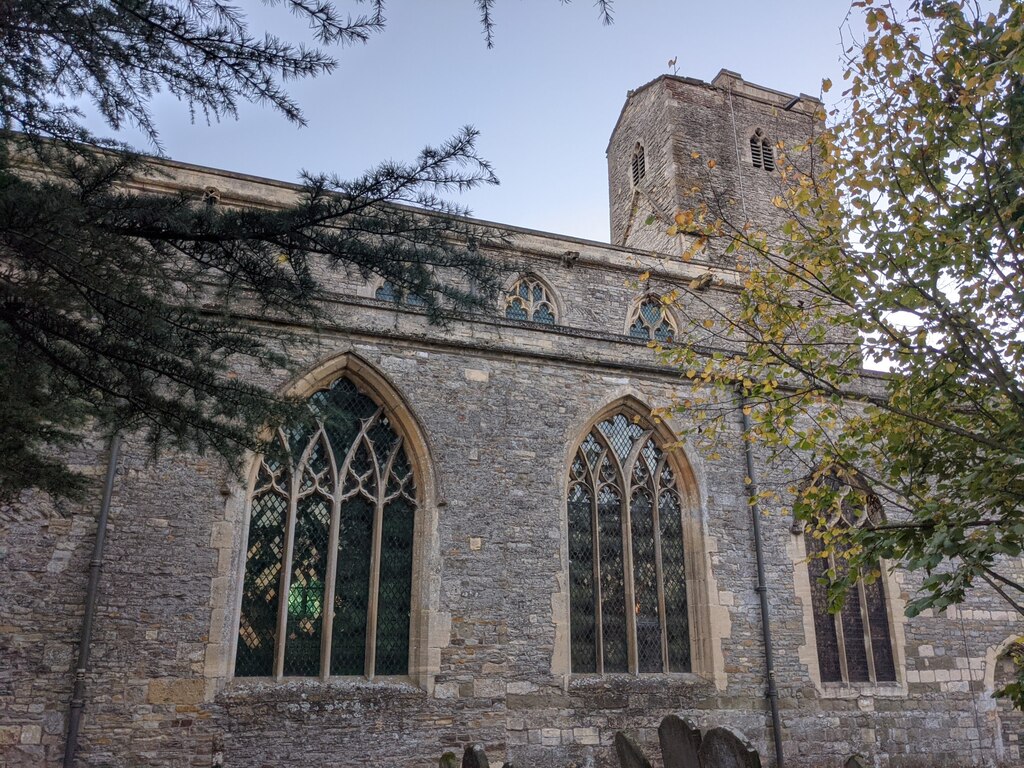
column 650, row 320
column 854, row 645
column 261, row 591
column 387, row 291
column 326, row 494
column 530, row 299
column 625, row 539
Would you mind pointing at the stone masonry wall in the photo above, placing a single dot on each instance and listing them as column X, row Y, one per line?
column 501, row 406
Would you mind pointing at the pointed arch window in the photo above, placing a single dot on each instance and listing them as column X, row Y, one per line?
column 530, row 299
column 762, row 154
column 651, row 320
column 328, row 571
column 638, row 164
column 627, row 582
column 854, row 645
column 388, row 291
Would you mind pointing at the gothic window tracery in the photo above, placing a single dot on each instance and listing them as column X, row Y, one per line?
column 854, row 645
column 762, row 154
column 328, row 572
column 627, row 583
column 651, row 320
column 388, row 291
column 530, row 299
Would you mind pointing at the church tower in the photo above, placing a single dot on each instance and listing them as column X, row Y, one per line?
column 672, row 128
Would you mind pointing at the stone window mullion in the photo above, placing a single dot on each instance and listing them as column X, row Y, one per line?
column 862, row 602
column 332, row 566
column 286, row 572
column 596, row 537
column 351, row 609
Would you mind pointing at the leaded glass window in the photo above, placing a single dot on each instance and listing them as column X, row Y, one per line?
column 328, row 573
column 530, row 299
column 650, row 320
column 853, row 645
column 627, row 584
column 388, row 291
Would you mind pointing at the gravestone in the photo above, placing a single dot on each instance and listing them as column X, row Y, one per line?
column 725, row 748
column 629, row 753
column 475, row 757
column 680, row 742
column 448, row 760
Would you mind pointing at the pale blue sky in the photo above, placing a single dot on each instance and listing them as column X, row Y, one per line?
column 545, row 98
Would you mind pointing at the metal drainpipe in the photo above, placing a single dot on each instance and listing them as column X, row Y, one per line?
column 762, row 589
column 95, row 566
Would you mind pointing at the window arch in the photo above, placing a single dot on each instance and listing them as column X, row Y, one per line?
column 853, row 645
column 331, row 526
column 762, row 154
column 388, row 291
column 650, row 320
column 529, row 298
column 638, row 164
column 627, row 583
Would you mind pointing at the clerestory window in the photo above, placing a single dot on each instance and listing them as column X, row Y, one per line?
column 854, row 645
column 627, row 583
column 762, row 153
column 651, row 320
column 387, row 291
column 530, row 299
column 328, row 571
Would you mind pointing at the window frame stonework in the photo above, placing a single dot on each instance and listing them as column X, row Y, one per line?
column 705, row 621
column 665, row 318
column 762, row 153
column 384, row 290
column 531, row 305
column 861, row 607
column 424, row 641
column 638, row 165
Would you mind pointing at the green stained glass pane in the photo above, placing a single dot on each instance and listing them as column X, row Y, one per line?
column 261, row 590
column 306, row 592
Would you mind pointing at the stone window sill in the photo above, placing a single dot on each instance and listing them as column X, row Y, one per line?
column 291, row 688
column 856, row 690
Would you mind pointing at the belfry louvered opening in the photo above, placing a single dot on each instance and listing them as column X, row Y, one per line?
column 638, row 164
column 328, row 572
column 627, row 582
column 762, row 153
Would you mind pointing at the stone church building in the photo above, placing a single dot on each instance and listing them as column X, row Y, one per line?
column 487, row 538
